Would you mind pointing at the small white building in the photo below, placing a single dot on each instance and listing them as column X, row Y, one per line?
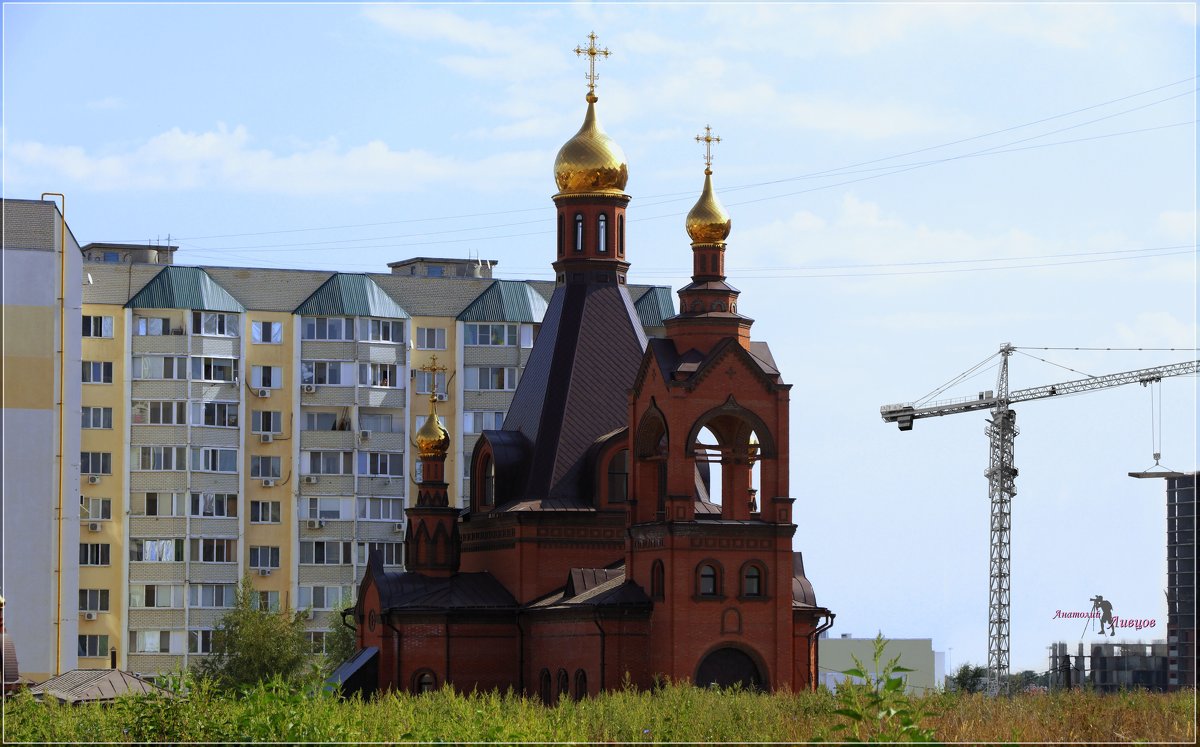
column 917, row 654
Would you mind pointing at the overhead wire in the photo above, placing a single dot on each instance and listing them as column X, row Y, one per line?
column 1052, row 363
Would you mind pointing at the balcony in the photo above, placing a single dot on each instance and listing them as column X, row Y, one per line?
column 160, row 344
column 381, row 352
column 382, row 486
column 327, row 395
column 327, row 350
column 326, row 485
column 329, row 440
column 158, row 389
column 380, row 397
column 212, row 436
column 218, row 390
column 219, row 347
column 154, row 435
column 157, row 482
column 381, row 441
column 215, row 482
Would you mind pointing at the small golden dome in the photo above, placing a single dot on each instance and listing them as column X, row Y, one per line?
column 591, row 161
column 707, row 222
column 432, row 440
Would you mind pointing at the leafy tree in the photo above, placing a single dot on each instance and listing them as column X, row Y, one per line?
column 340, row 642
column 252, row 645
column 969, row 679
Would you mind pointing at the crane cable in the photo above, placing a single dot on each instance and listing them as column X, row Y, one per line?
column 954, row 381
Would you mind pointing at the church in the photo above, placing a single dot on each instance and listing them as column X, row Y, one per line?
column 630, row 522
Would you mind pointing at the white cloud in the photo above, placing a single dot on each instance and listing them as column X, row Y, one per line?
column 1157, row 329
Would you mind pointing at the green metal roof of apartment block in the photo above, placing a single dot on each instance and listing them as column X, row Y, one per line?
column 345, row 294
column 184, row 288
column 506, row 301
column 655, row 306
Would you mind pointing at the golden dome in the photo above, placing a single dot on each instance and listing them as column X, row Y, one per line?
column 591, row 161
column 432, row 440
column 707, row 222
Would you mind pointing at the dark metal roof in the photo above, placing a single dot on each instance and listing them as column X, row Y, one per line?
column 655, row 306
column 178, row 287
column 595, row 587
column 415, row 591
column 506, row 301
column 91, row 685
column 346, row 294
column 802, row 588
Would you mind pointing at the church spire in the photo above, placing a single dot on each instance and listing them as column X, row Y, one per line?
column 431, row 540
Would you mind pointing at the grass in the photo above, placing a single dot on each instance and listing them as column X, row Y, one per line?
column 676, row 713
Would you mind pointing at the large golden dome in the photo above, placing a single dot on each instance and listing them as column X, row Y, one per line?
column 591, row 161
column 707, row 222
column 432, row 440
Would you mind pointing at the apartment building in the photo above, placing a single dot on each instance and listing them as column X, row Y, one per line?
column 256, row 420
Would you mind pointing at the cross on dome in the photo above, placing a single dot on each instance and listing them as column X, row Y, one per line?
column 708, row 139
column 592, row 52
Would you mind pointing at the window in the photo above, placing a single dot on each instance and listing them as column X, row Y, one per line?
column 580, row 684
column 160, row 596
column 564, row 683
column 544, row 687
column 328, row 508
column 620, row 235
column 215, row 323
column 431, row 338
column 266, row 377
column 526, row 335
column 264, row 512
column 381, row 463
column 266, row 421
column 159, row 367
column 379, row 423
column 200, row 641
column 488, row 489
column 95, row 509
column 211, row 595
column 325, row 553
column 325, row 597
column 381, row 330
column 93, row 646
column 491, row 334
column 264, row 466
column 426, row 380
column 657, row 579
column 491, row 378
column 97, row 326
column 602, row 233
column 160, row 458
column 214, row 369
column 214, row 504
column 752, row 577
column 618, row 477
column 219, row 414
column 96, row 417
column 478, row 421
column 150, row 641
column 435, row 272
column 97, row 372
column 321, row 328
column 159, row 413
column 93, row 600
column 209, row 459
column 560, row 234
column 325, row 372
column 143, row 325
column 111, row 257
column 327, row 463
column 321, row 421
column 378, row 374
column 164, row 504
column 316, row 641
column 707, row 585
column 95, row 463
column 156, row 550
column 204, row 550
column 93, row 553
column 268, row 601
column 381, row 509
column 266, row 333
column 393, row 552
column 263, row 556
column 578, row 232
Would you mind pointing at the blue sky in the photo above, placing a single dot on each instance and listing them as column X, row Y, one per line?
column 911, row 185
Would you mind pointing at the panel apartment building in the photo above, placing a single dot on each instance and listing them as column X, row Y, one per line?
column 255, row 420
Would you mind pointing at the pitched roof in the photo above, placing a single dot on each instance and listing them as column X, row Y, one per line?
column 506, row 301
column 655, row 306
column 184, row 288
column 91, row 685
column 415, row 591
column 346, row 294
column 595, row 587
column 269, row 289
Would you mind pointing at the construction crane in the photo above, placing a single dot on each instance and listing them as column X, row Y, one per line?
column 1001, row 473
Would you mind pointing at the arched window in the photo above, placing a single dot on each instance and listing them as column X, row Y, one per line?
column 657, row 577
column 618, row 477
column 602, row 233
column 561, row 239
column 752, row 581
column 488, row 495
column 580, row 684
column 621, row 236
column 564, row 684
column 544, row 691
column 579, row 232
column 424, row 681
column 707, row 581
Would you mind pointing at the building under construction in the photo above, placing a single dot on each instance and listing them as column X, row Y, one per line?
column 1181, row 581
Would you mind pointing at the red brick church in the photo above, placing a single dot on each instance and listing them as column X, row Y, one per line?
column 589, row 551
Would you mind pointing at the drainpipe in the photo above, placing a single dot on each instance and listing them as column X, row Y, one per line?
column 520, row 654
column 388, row 623
column 62, row 406
column 599, row 627
column 814, row 662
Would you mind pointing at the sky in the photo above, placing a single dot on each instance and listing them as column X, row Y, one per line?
column 911, row 186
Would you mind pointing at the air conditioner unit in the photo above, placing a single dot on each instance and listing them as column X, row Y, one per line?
column 93, row 479
column 264, row 393
column 364, row 435
column 266, row 438
column 177, row 331
column 398, row 527
column 310, row 480
column 93, row 526
column 89, row 615
column 441, row 397
column 268, row 483
column 308, row 388
column 264, row 571
column 315, row 524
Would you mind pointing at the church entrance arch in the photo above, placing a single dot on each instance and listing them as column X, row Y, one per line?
column 728, row 666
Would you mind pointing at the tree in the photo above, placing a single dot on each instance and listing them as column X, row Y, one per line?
column 340, row 642
column 252, row 645
column 968, row 679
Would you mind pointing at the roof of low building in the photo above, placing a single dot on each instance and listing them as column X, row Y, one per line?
column 95, row 685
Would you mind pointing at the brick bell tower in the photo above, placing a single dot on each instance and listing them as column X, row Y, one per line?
column 431, row 540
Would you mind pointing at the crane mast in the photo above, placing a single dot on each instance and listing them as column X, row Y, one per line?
column 1001, row 473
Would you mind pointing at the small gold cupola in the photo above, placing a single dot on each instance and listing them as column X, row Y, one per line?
column 707, row 221
column 591, row 161
column 432, row 440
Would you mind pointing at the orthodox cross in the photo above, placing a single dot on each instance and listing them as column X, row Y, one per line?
column 592, row 51
column 708, row 139
column 433, row 368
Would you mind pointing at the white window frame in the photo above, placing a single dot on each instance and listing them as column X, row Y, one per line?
column 97, row 372
column 225, row 324
column 323, row 372
column 202, row 548
column 256, row 556
column 160, row 459
column 373, row 374
column 201, row 410
column 275, row 418
column 381, row 463
column 483, row 335
column 274, row 330
column 206, row 366
column 144, row 326
column 316, row 463
column 475, row 376
column 437, row 333
column 97, row 326
column 179, row 367
column 92, row 457
column 95, row 509
column 257, row 461
column 273, row 510
column 316, row 329
column 273, row 378
column 89, row 416
column 381, row 330
column 224, row 505
column 381, row 508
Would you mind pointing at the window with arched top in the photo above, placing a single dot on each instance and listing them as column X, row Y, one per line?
column 488, row 473
column 618, row 477
column 580, row 684
column 657, row 581
column 424, row 681
column 752, row 580
column 602, row 233
column 544, row 685
column 579, row 232
column 564, row 683
column 561, row 239
column 620, row 235
column 707, row 581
